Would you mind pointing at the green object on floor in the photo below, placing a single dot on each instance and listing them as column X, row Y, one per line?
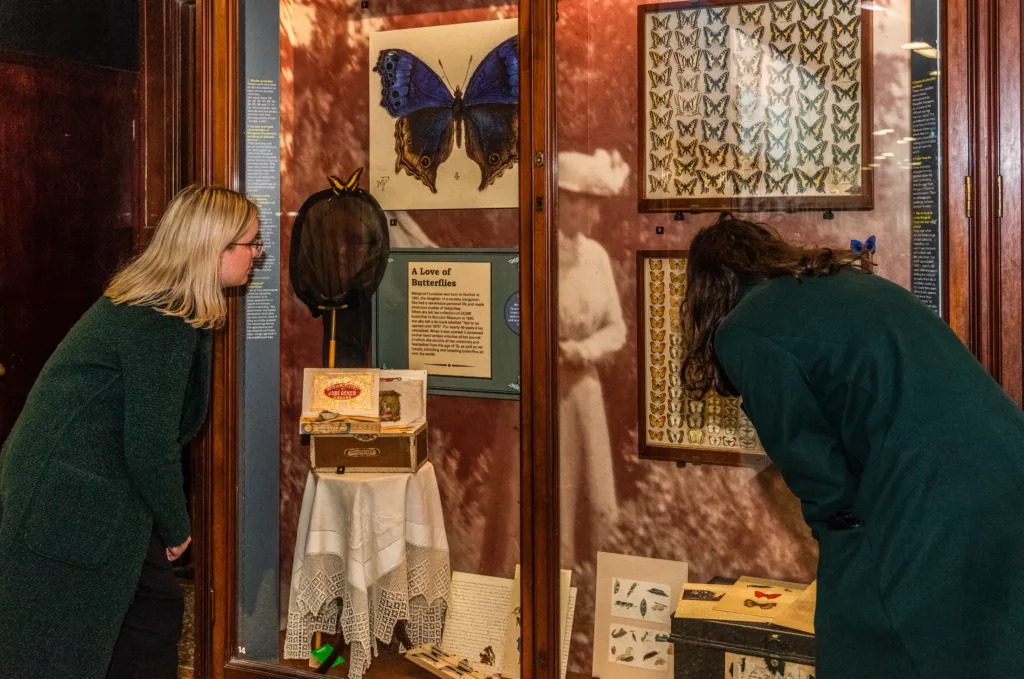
column 321, row 654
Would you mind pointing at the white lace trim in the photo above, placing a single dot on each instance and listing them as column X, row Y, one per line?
column 416, row 591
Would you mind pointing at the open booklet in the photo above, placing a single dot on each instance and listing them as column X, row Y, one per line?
column 483, row 623
column 363, row 401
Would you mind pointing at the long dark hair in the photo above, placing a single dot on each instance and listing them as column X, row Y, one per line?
column 724, row 256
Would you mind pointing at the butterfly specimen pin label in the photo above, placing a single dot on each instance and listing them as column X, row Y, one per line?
column 469, row 99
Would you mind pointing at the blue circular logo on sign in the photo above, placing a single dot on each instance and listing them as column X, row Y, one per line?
column 512, row 313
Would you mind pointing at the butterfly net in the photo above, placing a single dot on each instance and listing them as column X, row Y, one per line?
column 339, row 251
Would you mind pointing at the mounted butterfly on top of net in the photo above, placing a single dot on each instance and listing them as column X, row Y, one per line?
column 431, row 116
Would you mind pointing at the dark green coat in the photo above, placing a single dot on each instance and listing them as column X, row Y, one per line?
column 868, row 402
column 90, row 470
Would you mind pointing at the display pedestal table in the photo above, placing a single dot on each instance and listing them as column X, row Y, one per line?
column 373, row 548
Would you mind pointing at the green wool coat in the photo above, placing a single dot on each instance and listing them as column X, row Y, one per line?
column 868, row 402
column 90, row 470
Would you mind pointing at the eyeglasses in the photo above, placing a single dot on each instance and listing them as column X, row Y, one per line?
column 256, row 247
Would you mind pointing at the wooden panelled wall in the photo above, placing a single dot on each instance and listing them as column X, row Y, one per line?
column 982, row 94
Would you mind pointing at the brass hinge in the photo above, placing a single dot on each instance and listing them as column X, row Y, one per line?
column 999, row 196
column 969, row 197
column 538, row 159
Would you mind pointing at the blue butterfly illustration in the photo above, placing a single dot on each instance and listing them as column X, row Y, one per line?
column 867, row 246
column 430, row 119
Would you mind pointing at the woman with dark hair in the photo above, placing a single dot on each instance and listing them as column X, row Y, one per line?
column 905, row 454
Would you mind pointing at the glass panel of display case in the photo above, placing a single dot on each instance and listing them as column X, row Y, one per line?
column 378, row 499
column 819, row 119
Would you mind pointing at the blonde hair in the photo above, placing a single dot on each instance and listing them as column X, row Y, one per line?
column 179, row 273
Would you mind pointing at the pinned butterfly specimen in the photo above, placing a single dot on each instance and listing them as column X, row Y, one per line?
column 782, row 54
column 776, row 98
column 659, row 163
column 688, row 107
column 711, row 182
column 711, row 132
column 746, row 105
column 807, row 33
column 780, row 185
column 845, row 177
column 689, row 167
column 780, row 142
column 762, row 595
column 782, row 12
column 718, row 15
column 659, row 79
column 712, row 61
column 849, row 28
column 848, row 6
column 847, row 51
column 817, row 54
column 713, row 108
column 747, row 161
column 658, row 184
column 660, row 141
column 808, row 10
column 817, row 78
column 660, row 24
column 687, row 189
column 779, row 76
column 746, row 186
column 661, row 121
column 780, row 34
column 847, row 72
column 841, row 157
column 751, row 16
column 781, row 163
column 687, row 17
column 657, row 421
column 428, row 116
column 749, row 83
column 660, row 59
column 868, row 246
column 688, row 62
column 805, row 182
column 748, row 41
column 687, row 40
column 716, row 157
column 692, row 83
column 691, row 148
column 718, row 84
column 845, row 133
column 846, row 92
column 661, row 40
column 661, row 100
column 808, row 105
column 749, row 66
column 715, row 38
column 655, row 435
column 747, row 135
column 815, row 154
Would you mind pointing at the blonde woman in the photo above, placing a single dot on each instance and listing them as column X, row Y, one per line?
column 92, row 505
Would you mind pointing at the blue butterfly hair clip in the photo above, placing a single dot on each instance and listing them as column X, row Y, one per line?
column 867, row 246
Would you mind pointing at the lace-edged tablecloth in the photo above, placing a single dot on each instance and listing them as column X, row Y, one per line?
column 373, row 545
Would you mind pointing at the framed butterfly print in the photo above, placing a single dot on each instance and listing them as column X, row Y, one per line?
column 672, row 426
column 754, row 106
column 444, row 116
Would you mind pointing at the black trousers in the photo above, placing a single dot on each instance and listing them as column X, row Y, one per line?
column 147, row 647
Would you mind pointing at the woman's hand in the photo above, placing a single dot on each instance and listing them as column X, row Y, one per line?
column 174, row 553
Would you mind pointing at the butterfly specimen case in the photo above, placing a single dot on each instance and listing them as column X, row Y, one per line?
column 673, row 427
column 754, row 106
